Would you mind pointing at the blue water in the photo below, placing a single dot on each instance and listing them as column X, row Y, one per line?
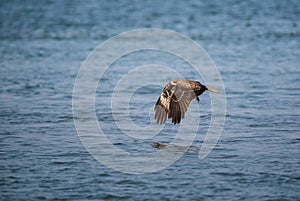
column 256, row 48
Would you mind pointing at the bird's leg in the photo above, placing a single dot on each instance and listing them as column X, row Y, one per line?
column 198, row 99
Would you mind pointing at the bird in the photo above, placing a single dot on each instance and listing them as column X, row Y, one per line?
column 176, row 98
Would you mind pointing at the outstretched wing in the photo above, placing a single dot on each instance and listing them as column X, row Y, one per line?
column 180, row 103
column 173, row 102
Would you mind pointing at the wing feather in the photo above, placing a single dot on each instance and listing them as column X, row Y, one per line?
column 180, row 103
column 161, row 108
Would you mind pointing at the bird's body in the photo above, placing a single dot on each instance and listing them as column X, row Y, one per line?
column 176, row 98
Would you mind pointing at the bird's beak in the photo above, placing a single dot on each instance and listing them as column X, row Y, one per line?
column 213, row 90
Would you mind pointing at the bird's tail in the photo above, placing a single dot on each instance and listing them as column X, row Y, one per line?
column 213, row 90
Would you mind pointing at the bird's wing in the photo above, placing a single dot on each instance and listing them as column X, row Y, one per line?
column 173, row 102
column 162, row 107
column 180, row 102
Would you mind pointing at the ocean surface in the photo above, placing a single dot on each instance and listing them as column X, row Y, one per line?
column 256, row 48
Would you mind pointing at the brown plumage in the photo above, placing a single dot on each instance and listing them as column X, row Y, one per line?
column 176, row 98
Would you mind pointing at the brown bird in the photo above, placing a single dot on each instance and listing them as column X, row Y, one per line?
column 176, row 98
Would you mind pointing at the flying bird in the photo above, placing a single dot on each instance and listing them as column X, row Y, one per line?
column 175, row 99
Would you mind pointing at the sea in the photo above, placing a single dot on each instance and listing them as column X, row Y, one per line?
column 50, row 147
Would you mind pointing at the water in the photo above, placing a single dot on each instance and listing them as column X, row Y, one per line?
column 256, row 48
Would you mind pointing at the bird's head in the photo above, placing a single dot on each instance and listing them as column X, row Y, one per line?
column 202, row 88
